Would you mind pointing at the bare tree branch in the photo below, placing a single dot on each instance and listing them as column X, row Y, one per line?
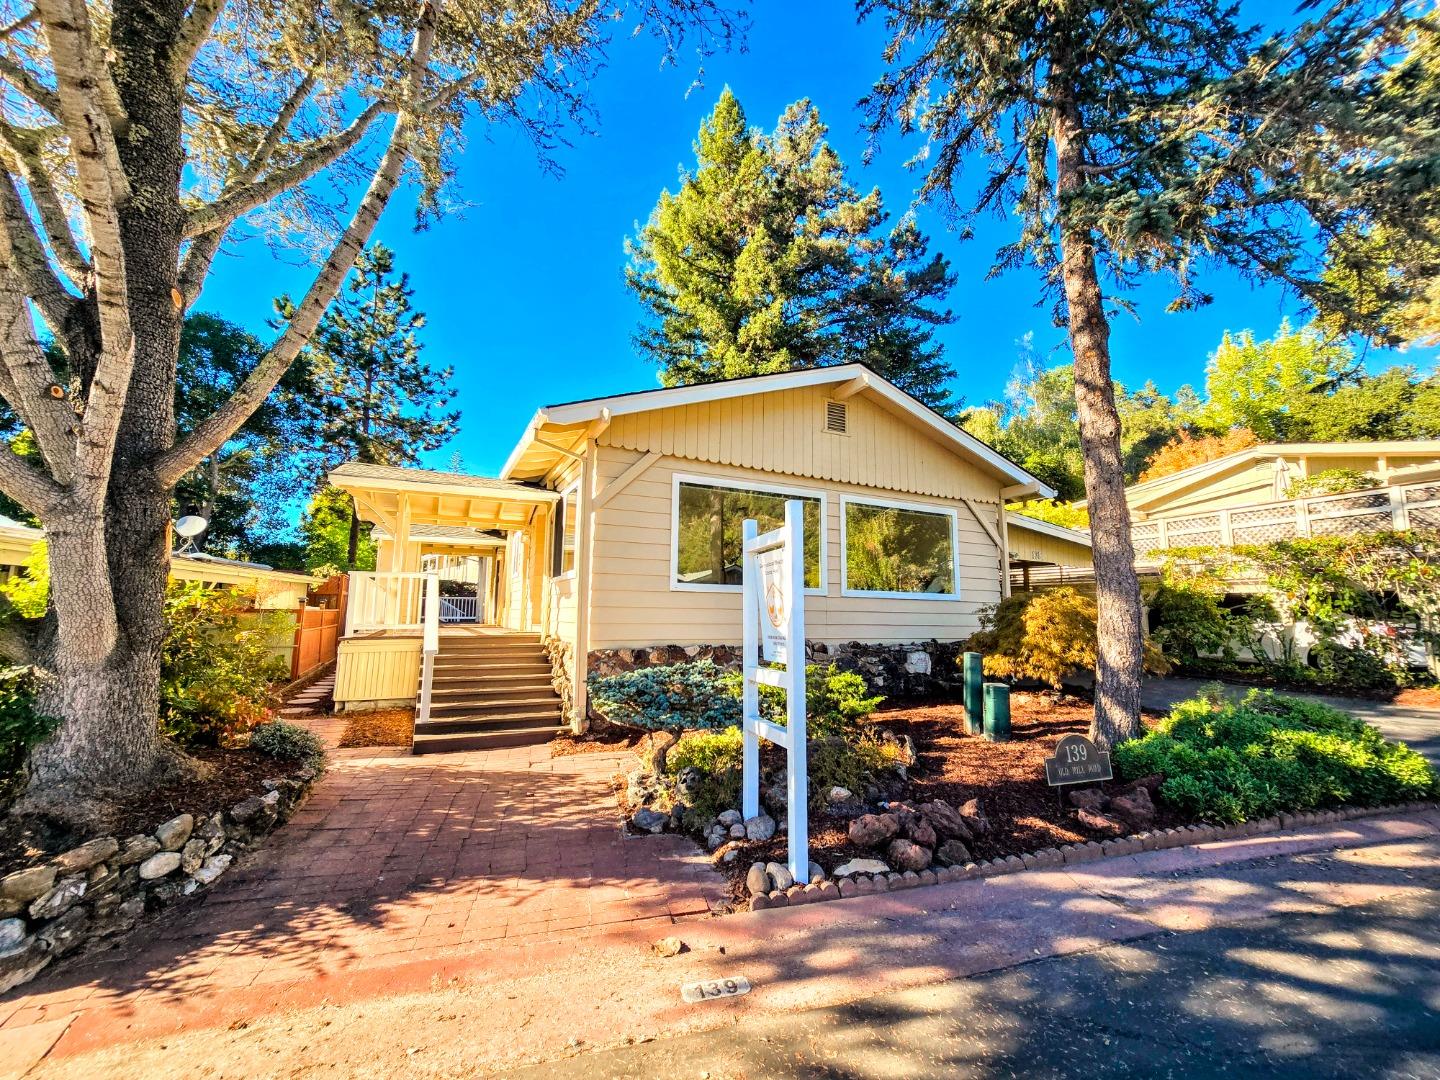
column 198, row 25
column 30, row 384
column 23, row 22
column 210, row 434
column 21, row 248
column 195, row 267
column 25, row 82
column 239, row 201
column 53, row 218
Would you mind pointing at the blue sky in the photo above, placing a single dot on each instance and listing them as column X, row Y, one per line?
column 524, row 289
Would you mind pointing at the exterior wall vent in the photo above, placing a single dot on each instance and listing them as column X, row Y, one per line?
column 836, row 417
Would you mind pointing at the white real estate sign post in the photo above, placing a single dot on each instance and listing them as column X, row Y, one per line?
column 773, row 610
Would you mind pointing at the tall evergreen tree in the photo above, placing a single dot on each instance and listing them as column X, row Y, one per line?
column 374, row 398
column 1131, row 136
column 767, row 259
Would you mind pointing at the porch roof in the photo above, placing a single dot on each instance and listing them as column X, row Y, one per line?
column 400, row 500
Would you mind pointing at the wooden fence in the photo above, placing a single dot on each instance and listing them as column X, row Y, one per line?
column 317, row 627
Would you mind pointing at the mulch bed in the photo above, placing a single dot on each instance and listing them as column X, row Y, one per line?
column 235, row 775
column 1419, row 697
column 1008, row 778
column 383, row 727
column 597, row 740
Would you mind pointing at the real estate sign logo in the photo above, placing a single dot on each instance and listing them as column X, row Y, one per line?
column 773, row 603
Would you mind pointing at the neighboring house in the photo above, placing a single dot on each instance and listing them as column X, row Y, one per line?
column 1044, row 553
column 1244, row 498
column 621, row 522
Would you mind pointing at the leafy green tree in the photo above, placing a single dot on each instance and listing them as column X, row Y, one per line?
column 326, row 531
column 1133, row 137
column 767, row 259
column 373, row 398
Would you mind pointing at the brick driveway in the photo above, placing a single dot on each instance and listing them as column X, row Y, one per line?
column 397, row 859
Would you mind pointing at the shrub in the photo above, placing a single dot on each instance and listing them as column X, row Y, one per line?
column 21, row 727
column 689, row 695
column 1190, row 627
column 847, row 763
column 216, row 664
column 288, row 742
column 1044, row 636
column 710, row 752
column 1330, row 482
column 835, row 700
column 1228, row 761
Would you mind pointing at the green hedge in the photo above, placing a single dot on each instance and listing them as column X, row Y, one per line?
column 1228, row 761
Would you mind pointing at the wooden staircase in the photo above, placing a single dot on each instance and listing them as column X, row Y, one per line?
column 489, row 690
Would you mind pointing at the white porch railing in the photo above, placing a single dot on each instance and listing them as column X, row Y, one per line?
column 1403, row 507
column 459, row 609
column 386, row 601
column 429, row 647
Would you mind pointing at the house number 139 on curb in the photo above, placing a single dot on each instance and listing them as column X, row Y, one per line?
column 711, row 989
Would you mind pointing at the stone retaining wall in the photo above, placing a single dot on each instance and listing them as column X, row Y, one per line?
column 105, row 885
column 918, row 670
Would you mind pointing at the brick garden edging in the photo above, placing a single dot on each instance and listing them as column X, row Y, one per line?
column 104, row 886
column 1069, row 855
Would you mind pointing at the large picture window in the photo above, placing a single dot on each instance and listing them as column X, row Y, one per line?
column 709, row 517
column 895, row 549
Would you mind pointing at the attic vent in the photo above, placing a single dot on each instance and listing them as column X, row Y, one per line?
column 835, row 417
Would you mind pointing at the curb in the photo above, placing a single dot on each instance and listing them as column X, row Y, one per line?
column 1072, row 854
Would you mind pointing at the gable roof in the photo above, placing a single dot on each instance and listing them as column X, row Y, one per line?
column 1147, row 492
column 584, row 416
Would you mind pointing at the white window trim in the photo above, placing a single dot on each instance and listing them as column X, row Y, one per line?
column 569, row 575
column 924, row 508
column 733, row 484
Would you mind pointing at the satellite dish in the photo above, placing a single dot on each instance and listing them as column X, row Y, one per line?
column 191, row 525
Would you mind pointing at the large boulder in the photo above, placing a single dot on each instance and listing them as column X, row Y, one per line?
column 1135, row 810
column 872, row 830
column 915, row 827
column 760, row 827
column 908, row 855
column 1088, row 799
column 1098, row 822
column 952, row 853
column 946, row 820
column 29, row 884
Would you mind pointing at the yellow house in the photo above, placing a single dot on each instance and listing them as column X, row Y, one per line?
column 611, row 541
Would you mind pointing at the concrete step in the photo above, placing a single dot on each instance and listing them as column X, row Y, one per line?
column 492, row 739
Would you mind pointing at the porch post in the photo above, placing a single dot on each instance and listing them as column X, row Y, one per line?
column 584, row 542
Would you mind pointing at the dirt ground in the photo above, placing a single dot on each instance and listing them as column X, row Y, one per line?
column 1008, row 778
column 230, row 776
column 383, row 727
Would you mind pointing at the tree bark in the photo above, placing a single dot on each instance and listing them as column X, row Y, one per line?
column 1119, row 643
column 353, row 550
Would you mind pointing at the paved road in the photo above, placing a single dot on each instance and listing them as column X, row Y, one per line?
column 1351, row 993
column 1420, row 728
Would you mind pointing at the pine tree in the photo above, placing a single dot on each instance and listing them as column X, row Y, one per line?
column 375, row 400
column 767, row 259
column 1132, row 136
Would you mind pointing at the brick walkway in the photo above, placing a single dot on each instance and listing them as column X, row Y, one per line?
column 396, row 859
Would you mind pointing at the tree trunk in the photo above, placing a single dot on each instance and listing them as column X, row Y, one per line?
column 353, row 551
column 1119, row 644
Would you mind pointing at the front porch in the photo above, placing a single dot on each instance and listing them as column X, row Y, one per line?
column 453, row 619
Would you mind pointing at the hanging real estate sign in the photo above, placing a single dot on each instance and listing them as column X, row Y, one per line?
column 773, row 601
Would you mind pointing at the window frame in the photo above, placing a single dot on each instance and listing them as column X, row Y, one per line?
column 557, row 534
column 761, row 487
column 896, row 504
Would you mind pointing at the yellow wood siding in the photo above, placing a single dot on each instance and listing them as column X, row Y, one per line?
column 1035, row 546
column 632, row 602
column 1251, row 484
column 377, row 669
column 782, row 432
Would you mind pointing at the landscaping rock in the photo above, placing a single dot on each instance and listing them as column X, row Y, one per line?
column 30, row 884
column 86, row 855
column 12, row 933
column 908, row 855
column 952, row 853
column 192, row 855
column 838, row 794
column 157, row 866
column 757, row 880
column 1098, row 822
column 727, row 852
column 65, row 934
column 946, row 820
column 137, row 849
column 872, row 830
column 211, row 869
column 669, row 946
column 21, row 964
column 715, row 837
column 817, row 873
column 861, row 866
column 242, row 813
column 730, row 817
column 1088, row 799
column 759, row 828
column 647, row 820
column 173, row 834
column 65, row 895
column 975, row 819
column 1136, row 809
column 780, row 875
column 738, row 831
column 212, row 832
column 915, row 827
